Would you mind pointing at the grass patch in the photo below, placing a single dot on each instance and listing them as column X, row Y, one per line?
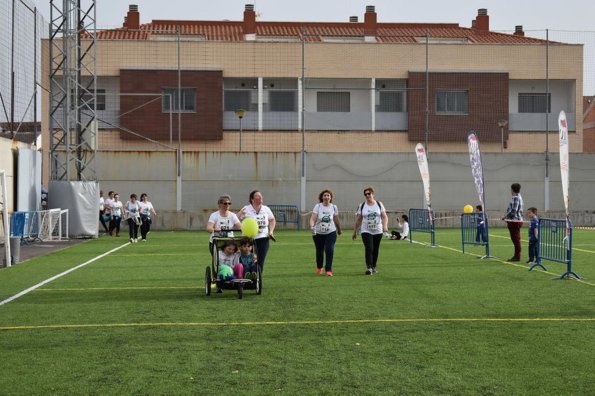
column 432, row 321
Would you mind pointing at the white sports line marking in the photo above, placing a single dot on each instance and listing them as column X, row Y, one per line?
column 20, row 294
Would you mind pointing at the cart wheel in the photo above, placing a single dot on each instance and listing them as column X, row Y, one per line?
column 258, row 281
column 208, row 281
column 240, row 291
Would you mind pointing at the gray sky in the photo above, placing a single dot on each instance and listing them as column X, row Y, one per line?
column 504, row 14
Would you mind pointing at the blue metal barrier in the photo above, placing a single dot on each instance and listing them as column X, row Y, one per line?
column 474, row 231
column 421, row 220
column 555, row 244
column 286, row 214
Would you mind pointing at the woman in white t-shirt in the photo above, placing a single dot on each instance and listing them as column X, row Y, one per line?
column 116, row 211
column 325, row 226
column 222, row 220
column 372, row 221
column 146, row 210
column 102, row 212
column 132, row 210
column 266, row 224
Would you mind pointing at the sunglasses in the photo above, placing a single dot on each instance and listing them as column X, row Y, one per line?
column 225, row 203
column 367, row 193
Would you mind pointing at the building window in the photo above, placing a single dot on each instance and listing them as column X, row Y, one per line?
column 235, row 99
column 87, row 98
column 452, row 102
column 535, row 103
column 336, row 102
column 282, row 101
column 186, row 102
column 390, row 102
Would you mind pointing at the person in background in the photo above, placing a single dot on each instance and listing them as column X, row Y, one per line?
column 404, row 224
column 533, row 235
column 102, row 212
column 107, row 211
column 481, row 234
column 132, row 211
column 222, row 220
column 116, row 212
column 266, row 224
column 514, row 220
column 146, row 210
column 325, row 226
column 372, row 221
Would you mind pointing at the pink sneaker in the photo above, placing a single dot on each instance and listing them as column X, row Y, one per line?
column 318, row 271
column 329, row 273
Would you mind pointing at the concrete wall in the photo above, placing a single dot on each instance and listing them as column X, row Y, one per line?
column 394, row 176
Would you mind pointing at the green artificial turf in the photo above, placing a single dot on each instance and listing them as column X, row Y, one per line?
column 432, row 321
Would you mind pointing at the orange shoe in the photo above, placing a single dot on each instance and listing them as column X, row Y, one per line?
column 318, row 271
column 329, row 273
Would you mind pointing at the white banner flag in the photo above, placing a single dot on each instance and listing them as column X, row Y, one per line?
column 564, row 164
column 476, row 166
column 424, row 170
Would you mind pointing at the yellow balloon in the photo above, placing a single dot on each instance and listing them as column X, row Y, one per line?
column 249, row 227
column 468, row 209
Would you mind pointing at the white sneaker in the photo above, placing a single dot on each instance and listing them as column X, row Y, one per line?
column 131, row 240
column 135, row 240
column 144, row 240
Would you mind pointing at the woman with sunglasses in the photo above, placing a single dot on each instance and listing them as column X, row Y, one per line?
column 372, row 221
column 222, row 220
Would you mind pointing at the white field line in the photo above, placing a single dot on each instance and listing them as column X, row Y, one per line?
column 20, row 294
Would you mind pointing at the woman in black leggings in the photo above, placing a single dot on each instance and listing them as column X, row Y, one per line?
column 372, row 221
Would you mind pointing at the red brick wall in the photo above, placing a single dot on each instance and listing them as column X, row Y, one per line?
column 588, row 124
column 149, row 120
column 488, row 103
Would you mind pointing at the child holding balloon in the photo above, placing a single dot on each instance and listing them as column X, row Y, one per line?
column 229, row 262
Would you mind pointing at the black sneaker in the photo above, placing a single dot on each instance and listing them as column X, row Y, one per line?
column 529, row 262
column 513, row 259
column 369, row 271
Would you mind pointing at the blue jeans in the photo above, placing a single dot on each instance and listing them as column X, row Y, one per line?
column 325, row 244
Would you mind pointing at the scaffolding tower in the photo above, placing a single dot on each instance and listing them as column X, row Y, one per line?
column 73, row 78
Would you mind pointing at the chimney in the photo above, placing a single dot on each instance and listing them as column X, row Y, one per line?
column 482, row 23
column 249, row 28
column 125, row 22
column 132, row 18
column 353, row 19
column 518, row 30
column 370, row 26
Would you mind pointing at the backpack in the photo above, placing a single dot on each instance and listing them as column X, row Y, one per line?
column 361, row 207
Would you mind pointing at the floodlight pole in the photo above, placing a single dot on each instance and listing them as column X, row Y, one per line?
column 502, row 124
column 240, row 113
column 547, row 109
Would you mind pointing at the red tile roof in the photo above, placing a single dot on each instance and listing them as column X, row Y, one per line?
column 313, row 31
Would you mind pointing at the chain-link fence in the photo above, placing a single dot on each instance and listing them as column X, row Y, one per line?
column 334, row 93
column 21, row 29
column 181, row 93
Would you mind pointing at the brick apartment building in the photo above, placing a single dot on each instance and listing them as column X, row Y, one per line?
column 329, row 85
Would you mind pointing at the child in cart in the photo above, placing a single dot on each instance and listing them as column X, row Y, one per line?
column 248, row 259
column 229, row 262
